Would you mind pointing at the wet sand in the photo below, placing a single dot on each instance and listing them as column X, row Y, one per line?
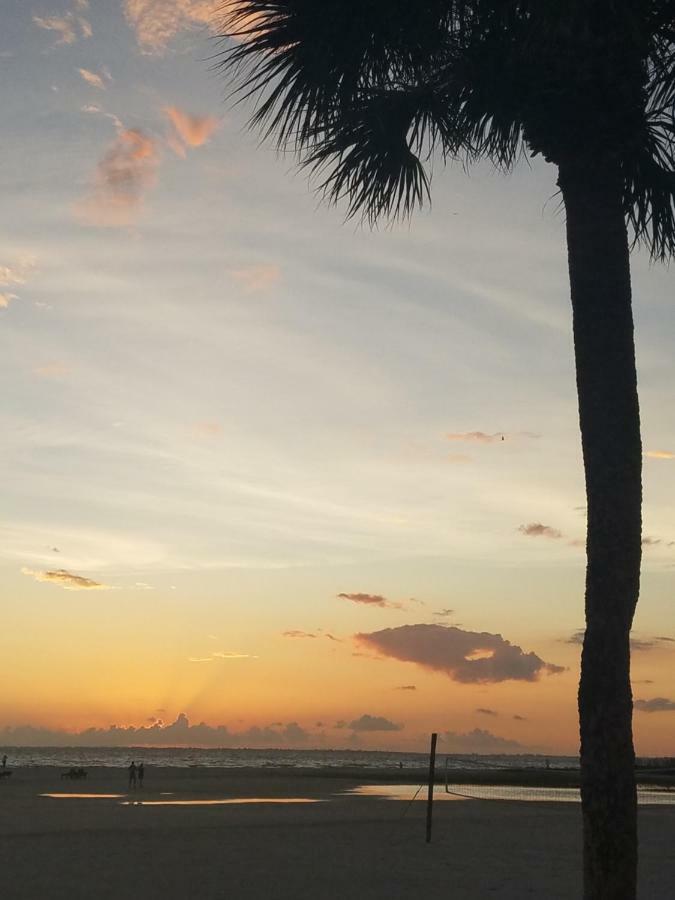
column 343, row 846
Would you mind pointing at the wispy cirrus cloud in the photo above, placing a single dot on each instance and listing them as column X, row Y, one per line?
column 636, row 644
column 406, row 687
column 123, row 177
column 538, row 529
column 468, row 657
column 221, row 654
column 94, row 79
column 371, row 600
column 484, row 711
column 69, row 26
column 13, row 275
column 207, row 429
column 476, row 437
column 659, row 454
column 54, row 369
column 189, row 130
column 319, row 633
column 67, row 580
column 257, row 278
column 656, row 704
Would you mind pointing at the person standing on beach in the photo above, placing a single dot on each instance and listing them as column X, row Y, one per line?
column 4, row 761
column 132, row 775
column 141, row 774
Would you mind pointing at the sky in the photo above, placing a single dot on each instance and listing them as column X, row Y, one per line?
column 270, row 478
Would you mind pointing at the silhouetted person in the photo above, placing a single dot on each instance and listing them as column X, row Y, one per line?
column 4, row 761
column 141, row 773
column 132, row 775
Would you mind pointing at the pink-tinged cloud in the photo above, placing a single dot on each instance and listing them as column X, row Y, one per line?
column 257, row 278
column 124, row 175
column 92, row 79
column 17, row 273
column 67, row 580
column 468, row 657
column 207, row 429
column 192, row 131
column 69, row 27
column 53, row 370
column 157, row 22
column 371, row 600
column 6, row 298
column 537, row 529
column 660, row 454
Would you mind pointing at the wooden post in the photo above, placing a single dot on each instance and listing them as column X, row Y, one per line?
column 430, row 795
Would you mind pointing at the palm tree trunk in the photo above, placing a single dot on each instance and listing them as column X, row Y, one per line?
column 598, row 256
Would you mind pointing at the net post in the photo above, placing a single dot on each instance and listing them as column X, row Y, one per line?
column 430, row 794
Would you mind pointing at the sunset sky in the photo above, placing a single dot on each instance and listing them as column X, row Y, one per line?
column 309, row 484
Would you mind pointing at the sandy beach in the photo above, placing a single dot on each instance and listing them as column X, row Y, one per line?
column 158, row 843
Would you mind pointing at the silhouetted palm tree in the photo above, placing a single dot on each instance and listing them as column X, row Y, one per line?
column 364, row 91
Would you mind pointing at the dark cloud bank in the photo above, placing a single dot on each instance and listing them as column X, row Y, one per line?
column 465, row 656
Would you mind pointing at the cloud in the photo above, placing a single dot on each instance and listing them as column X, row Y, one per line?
column 373, row 723
column 157, row 22
column 476, row 437
column 486, row 712
column 193, row 131
column 464, row 656
column 536, row 529
column 256, row 278
column 69, row 27
column 221, row 654
column 207, row 429
column 371, row 600
column 444, row 613
column 478, row 741
column 660, row 454
column 406, row 687
column 297, row 633
column 67, row 580
column 179, row 733
column 124, row 175
column 520, row 718
column 52, row 370
column 93, row 79
column 656, row 704
column 13, row 275
column 636, row 644
column 648, row 541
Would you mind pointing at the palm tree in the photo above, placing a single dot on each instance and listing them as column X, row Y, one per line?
column 365, row 91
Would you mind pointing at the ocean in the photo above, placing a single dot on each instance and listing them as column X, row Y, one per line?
column 184, row 757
